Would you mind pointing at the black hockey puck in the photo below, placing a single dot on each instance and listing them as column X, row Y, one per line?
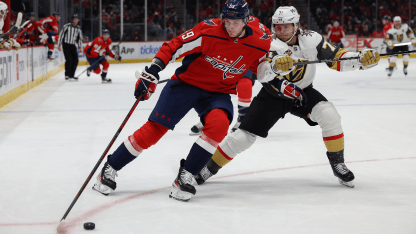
column 89, row 226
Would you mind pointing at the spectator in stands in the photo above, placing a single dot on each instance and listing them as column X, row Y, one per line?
column 335, row 34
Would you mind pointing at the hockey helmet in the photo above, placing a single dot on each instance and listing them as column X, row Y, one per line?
column 3, row 9
column 397, row 18
column 387, row 17
column 56, row 13
column 286, row 15
column 235, row 9
column 105, row 31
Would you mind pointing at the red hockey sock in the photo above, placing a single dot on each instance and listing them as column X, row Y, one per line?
column 149, row 134
column 51, row 46
column 244, row 90
column 106, row 65
column 216, row 125
column 97, row 71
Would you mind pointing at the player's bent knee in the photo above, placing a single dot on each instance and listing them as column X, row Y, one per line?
column 149, row 134
column 237, row 142
column 216, row 125
column 325, row 114
column 97, row 71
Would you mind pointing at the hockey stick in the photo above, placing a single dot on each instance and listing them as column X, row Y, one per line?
column 98, row 61
column 14, row 29
column 61, row 225
column 341, row 59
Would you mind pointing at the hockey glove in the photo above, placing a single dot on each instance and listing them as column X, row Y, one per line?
column 368, row 58
column 289, row 90
column 413, row 41
column 147, row 82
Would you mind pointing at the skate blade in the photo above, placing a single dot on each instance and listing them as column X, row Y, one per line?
column 348, row 184
column 195, row 133
column 179, row 195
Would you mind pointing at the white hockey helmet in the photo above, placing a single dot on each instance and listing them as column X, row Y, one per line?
column 286, row 15
column 397, row 18
column 3, row 9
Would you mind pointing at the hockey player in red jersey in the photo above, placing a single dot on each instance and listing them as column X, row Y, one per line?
column 51, row 27
column 216, row 54
column 96, row 52
column 33, row 33
column 244, row 87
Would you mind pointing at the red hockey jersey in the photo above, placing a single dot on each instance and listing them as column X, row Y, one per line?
column 386, row 28
column 51, row 24
column 212, row 60
column 98, row 47
column 255, row 21
column 35, row 30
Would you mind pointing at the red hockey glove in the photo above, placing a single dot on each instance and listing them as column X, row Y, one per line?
column 288, row 90
column 147, row 82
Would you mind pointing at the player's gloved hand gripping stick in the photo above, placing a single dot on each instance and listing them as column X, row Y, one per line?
column 147, row 81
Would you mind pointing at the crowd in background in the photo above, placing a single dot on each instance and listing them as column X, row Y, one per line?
column 359, row 16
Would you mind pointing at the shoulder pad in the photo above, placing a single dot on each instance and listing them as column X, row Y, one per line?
column 279, row 47
column 109, row 41
column 309, row 39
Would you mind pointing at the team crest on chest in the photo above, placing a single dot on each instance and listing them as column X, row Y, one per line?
column 227, row 67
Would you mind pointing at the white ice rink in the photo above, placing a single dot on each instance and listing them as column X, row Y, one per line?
column 52, row 136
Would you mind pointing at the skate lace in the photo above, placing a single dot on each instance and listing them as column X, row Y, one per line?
column 186, row 177
column 110, row 173
column 205, row 173
column 341, row 168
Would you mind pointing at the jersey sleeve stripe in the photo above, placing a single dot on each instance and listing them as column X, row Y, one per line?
column 186, row 47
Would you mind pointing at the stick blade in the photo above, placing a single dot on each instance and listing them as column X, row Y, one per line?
column 19, row 19
column 61, row 227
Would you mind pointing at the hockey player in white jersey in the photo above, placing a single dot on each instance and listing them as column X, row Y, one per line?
column 289, row 89
column 6, row 42
column 398, row 38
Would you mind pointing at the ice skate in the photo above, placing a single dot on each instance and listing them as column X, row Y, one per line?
column 203, row 175
column 345, row 176
column 405, row 71
column 196, row 130
column 390, row 73
column 66, row 77
column 207, row 172
column 106, row 182
column 88, row 72
column 182, row 188
column 105, row 80
column 73, row 78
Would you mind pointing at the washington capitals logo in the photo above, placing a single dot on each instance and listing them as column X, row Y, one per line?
column 226, row 67
column 210, row 22
column 265, row 36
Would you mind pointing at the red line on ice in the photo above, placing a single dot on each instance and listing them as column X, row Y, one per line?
column 74, row 222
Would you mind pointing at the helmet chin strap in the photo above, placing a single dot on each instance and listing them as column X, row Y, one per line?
column 244, row 28
column 294, row 33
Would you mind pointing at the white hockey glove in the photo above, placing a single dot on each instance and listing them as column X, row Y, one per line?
column 43, row 38
column 368, row 58
column 413, row 41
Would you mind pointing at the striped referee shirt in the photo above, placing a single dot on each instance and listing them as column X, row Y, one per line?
column 70, row 35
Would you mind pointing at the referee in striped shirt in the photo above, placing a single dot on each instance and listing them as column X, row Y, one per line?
column 70, row 35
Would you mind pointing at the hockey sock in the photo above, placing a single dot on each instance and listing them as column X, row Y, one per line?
column 334, row 143
column 134, row 145
column 214, row 131
column 244, row 89
column 149, row 134
column 97, row 71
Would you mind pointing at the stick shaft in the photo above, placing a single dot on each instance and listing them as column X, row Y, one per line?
column 102, row 157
